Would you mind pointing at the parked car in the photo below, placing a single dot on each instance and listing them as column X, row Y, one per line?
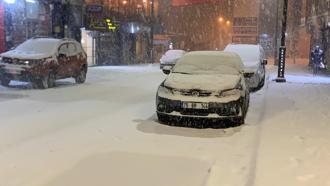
column 42, row 61
column 168, row 60
column 254, row 60
column 204, row 84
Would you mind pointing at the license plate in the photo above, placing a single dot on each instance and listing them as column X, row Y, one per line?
column 193, row 105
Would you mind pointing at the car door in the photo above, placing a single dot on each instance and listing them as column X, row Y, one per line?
column 63, row 70
column 73, row 63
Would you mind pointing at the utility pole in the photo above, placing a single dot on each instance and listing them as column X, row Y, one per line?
column 276, row 34
column 152, row 15
column 282, row 50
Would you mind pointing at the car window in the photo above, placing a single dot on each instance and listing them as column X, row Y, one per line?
column 63, row 49
column 72, row 49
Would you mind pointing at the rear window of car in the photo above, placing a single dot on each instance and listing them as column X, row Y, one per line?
column 246, row 52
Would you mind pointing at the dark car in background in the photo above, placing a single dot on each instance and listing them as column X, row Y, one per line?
column 42, row 61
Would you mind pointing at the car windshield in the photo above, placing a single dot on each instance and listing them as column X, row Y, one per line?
column 201, row 64
column 43, row 46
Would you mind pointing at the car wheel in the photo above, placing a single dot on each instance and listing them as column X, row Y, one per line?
column 162, row 118
column 42, row 83
column 239, row 120
column 81, row 77
column 51, row 80
column 262, row 82
column 5, row 82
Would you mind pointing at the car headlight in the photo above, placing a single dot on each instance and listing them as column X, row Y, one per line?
column 230, row 92
column 165, row 90
column 239, row 85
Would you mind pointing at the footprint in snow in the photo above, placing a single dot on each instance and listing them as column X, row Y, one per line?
column 300, row 139
column 295, row 162
column 306, row 177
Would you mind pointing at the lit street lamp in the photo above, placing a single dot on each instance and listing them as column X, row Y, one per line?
column 282, row 50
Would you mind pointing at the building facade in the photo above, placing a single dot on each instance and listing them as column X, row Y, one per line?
column 23, row 19
column 197, row 25
column 128, row 40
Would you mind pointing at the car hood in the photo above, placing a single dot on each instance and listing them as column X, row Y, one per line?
column 24, row 55
column 205, row 82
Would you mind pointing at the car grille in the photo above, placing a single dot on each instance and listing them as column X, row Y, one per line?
column 195, row 93
column 12, row 61
column 222, row 109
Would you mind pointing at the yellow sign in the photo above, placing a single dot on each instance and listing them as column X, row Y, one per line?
column 110, row 25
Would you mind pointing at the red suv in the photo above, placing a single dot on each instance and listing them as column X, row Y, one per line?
column 42, row 61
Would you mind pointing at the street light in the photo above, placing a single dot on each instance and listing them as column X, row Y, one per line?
column 220, row 19
column 282, row 50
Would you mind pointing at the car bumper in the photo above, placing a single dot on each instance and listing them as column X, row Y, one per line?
column 16, row 72
column 215, row 110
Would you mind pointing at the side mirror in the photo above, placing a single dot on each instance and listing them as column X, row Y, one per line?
column 248, row 74
column 264, row 62
column 167, row 72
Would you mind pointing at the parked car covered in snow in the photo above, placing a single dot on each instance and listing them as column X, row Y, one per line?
column 168, row 60
column 42, row 61
column 254, row 60
column 204, row 84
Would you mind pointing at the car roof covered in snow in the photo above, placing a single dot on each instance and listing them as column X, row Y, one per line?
column 213, row 58
column 173, row 52
column 247, row 52
column 36, row 48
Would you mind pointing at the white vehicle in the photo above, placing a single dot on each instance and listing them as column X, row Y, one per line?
column 254, row 60
column 168, row 60
column 205, row 85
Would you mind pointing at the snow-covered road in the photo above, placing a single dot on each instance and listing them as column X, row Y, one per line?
column 105, row 132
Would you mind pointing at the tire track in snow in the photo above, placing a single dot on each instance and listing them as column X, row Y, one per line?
column 254, row 156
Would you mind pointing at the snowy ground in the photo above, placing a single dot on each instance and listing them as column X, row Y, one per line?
column 105, row 133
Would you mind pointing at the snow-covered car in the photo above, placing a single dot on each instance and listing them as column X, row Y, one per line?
column 206, row 85
column 168, row 60
column 254, row 60
column 42, row 61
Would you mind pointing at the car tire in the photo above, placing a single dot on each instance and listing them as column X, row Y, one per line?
column 262, row 82
column 42, row 82
column 5, row 82
column 162, row 118
column 45, row 82
column 51, row 79
column 239, row 120
column 81, row 77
